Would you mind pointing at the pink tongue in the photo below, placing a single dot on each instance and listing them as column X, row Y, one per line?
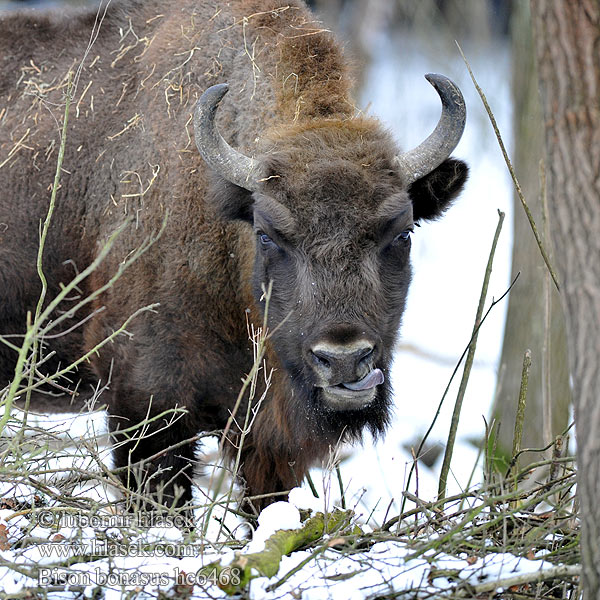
column 375, row 377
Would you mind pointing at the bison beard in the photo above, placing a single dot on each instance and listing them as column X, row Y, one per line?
column 313, row 199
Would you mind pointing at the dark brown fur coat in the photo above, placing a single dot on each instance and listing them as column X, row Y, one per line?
column 131, row 155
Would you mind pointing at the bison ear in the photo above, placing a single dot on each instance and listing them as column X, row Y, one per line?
column 231, row 201
column 433, row 194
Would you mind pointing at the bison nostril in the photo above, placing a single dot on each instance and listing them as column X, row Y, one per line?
column 321, row 359
column 366, row 354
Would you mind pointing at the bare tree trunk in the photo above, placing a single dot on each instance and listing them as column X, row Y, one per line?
column 535, row 318
column 567, row 39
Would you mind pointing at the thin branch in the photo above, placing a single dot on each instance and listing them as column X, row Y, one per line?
column 518, row 433
column 441, row 403
column 468, row 364
column 560, row 572
column 538, row 239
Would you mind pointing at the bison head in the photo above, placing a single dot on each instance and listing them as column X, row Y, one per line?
column 333, row 206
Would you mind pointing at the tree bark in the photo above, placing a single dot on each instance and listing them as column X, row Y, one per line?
column 567, row 40
column 535, row 318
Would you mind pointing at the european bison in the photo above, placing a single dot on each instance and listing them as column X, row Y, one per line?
column 302, row 191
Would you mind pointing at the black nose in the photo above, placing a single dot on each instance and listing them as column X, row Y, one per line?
column 335, row 364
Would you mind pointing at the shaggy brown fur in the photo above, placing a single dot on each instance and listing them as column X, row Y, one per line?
column 330, row 183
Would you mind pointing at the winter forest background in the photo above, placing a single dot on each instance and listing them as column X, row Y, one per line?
column 393, row 44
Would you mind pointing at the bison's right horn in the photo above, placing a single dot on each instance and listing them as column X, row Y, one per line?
column 218, row 154
column 439, row 145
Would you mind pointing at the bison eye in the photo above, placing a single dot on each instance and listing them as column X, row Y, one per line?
column 266, row 242
column 402, row 237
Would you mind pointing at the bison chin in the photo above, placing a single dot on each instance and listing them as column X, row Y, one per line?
column 347, row 413
column 335, row 412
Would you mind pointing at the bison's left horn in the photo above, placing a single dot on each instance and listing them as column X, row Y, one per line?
column 218, row 154
column 439, row 145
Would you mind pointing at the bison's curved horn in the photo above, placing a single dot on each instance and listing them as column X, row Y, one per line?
column 218, row 154
column 431, row 153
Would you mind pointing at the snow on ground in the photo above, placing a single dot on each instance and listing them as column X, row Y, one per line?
column 384, row 568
